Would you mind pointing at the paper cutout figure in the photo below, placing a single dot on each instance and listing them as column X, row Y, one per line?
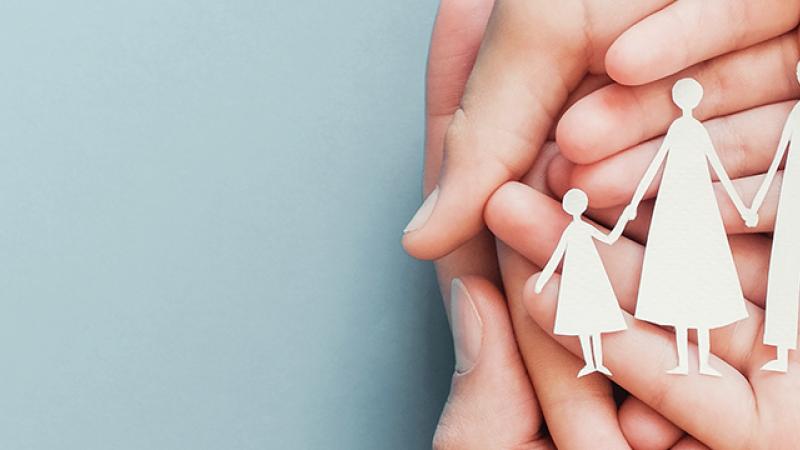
column 783, row 287
column 687, row 246
column 587, row 305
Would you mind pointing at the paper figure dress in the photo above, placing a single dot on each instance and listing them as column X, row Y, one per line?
column 587, row 305
column 783, row 287
column 689, row 279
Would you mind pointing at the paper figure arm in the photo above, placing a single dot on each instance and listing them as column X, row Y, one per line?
column 630, row 211
column 725, row 180
column 613, row 236
column 786, row 137
column 550, row 268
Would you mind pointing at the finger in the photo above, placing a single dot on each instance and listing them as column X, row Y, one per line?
column 689, row 443
column 579, row 413
column 518, row 84
column 491, row 402
column 639, row 358
column 617, row 117
column 457, row 34
column 644, row 428
column 745, row 142
column 688, row 32
column 456, row 37
column 590, row 181
column 590, row 83
column 532, row 224
column 753, row 251
column 527, row 65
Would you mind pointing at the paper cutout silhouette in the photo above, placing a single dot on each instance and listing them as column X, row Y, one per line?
column 587, row 305
column 783, row 287
column 687, row 246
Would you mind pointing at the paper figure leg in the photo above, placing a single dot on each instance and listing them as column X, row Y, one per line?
column 587, row 357
column 597, row 346
column 779, row 364
column 682, row 342
column 704, row 347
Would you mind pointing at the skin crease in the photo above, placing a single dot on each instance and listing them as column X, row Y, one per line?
column 528, row 64
column 721, row 413
column 493, row 91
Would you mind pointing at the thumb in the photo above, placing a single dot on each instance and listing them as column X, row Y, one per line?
column 521, row 78
column 491, row 403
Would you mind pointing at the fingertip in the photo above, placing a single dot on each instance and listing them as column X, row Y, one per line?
column 620, row 66
column 590, row 130
column 539, row 305
column 645, row 428
column 447, row 218
column 603, row 190
column 559, row 175
column 635, row 57
column 507, row 198
column 577, row 129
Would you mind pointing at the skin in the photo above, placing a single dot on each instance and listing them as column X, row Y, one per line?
column 745, row 408
column 482, row 130
column 528, row 65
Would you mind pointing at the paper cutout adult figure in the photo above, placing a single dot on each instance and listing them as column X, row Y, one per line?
column 783, row 287
column 587, row 305
column 687, row 244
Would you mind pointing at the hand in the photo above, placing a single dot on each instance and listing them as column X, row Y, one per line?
column 491, row 402
column 457, row 34
column 535, row 53
column 721, row 413
column 750, row 218
column 601, row 144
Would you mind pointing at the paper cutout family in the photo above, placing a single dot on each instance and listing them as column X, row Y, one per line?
column 687, row 245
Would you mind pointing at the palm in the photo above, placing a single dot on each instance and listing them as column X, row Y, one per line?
column 520, row 48
column 747, row 408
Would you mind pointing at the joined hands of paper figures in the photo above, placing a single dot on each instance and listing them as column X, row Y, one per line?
column 587, row 305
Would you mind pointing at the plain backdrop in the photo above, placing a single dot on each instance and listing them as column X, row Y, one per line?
column 201, row 204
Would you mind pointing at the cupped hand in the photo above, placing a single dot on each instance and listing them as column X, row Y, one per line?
column 533, row 56
column 746, row 408
column 608, row 138
column 579, row 414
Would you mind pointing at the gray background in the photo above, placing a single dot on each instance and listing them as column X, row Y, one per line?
column 200, row 211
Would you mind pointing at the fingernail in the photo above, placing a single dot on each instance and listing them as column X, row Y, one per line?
column 423, row 213
column 466, row 326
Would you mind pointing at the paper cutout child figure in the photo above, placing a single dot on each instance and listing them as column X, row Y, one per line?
column 688, row 276
column 587, row 305
column 783, row 287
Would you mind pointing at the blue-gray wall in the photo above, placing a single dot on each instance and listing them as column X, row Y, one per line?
column 200, row 211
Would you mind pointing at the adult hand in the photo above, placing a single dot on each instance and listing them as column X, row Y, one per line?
column 609, row 137
column 746, row 408
column 565, row 401
column 491, row 403
column 533, row 56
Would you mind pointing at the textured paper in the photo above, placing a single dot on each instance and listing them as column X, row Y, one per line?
column 587, row 305
column 783, row 287
column 687, row 244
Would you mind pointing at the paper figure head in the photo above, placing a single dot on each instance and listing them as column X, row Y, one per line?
column 687, row 93
column 575, row 202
